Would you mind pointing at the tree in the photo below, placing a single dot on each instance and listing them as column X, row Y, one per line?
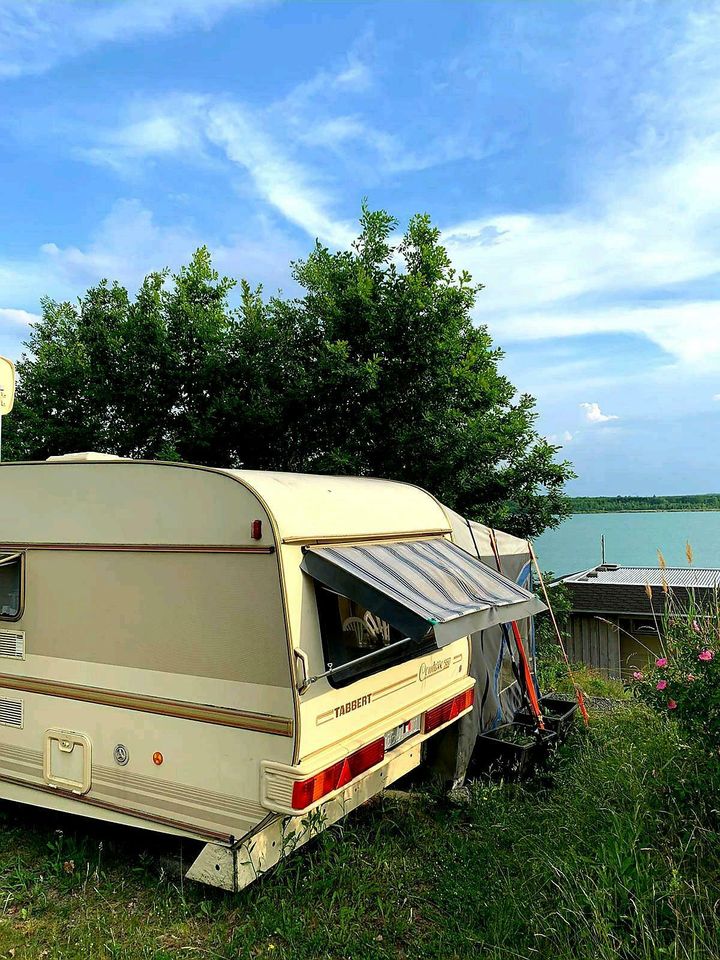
column 377, row 369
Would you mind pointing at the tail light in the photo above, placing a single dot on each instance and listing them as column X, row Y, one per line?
column 448, row 711
column 338, row 775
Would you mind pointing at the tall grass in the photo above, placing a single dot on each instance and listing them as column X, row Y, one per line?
column 612, row 853
column 553, row 676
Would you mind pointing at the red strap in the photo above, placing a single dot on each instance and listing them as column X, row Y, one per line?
column 529, row 682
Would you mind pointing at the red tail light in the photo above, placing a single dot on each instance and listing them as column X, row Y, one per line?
column 449, row 710
column 338, row 775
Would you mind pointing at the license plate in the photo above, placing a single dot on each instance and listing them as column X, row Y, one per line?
column 401, row 732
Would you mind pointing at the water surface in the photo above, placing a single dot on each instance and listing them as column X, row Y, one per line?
column 631, row 539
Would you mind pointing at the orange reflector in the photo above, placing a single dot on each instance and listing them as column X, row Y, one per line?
column 448, row 711
column 158, row 758
column 338, row 775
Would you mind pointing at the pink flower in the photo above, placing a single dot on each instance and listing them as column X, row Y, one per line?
column 706, row 655
column 661, row 684
column 696, row 626
column 638, row 676
column 661, row 662
column 691, row 677
column 672, row 705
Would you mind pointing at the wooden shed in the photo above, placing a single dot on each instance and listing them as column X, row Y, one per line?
column 614, row 623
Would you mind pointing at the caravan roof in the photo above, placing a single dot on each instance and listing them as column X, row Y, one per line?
column 313, row 505
column 174, row 496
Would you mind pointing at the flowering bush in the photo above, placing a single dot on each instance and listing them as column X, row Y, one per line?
column 686, row 678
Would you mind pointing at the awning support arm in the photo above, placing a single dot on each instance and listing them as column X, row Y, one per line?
column 331, row 671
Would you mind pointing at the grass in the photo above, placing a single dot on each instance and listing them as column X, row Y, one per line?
column 613, row 853
column 553, row 675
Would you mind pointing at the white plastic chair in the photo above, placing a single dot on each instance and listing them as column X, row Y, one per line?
column 379, row 629
column 357, row 625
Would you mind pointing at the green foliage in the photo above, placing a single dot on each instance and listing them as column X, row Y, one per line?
column 700, row 501
column 561, row 602
column 614, row 853
column 376, row 369
column 685, row 681
column 551, row 669
column 553, row 677
column 552, row 672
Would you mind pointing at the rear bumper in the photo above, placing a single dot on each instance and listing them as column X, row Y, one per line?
column 277, row 780
column 235, row 866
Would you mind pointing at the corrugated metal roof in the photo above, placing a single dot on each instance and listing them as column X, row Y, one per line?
column 639, row 576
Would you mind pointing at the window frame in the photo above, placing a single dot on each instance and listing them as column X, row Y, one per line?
column 21, row 555
column 423, row 647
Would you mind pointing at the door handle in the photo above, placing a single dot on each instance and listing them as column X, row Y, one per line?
column 302, row 657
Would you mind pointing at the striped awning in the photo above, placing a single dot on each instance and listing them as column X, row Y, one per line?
column 422, row 584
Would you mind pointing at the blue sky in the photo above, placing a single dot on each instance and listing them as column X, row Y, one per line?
column 570, row 153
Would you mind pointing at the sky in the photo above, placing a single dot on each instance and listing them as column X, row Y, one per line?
column 569, row 152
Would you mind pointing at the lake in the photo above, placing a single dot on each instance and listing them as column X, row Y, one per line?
column 631, row 539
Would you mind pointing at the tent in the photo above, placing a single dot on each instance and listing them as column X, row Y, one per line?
column 499, row 689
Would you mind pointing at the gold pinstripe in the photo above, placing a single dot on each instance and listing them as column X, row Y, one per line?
column 222, row 716
column 191, row 802
column 141, row 547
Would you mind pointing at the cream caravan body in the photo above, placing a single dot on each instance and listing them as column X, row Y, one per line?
column 162, row 662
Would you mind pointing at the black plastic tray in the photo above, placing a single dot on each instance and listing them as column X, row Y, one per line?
column 560, row 720
column 513, row 758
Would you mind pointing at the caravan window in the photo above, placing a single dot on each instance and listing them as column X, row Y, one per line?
column 10, row 585
column 349, row 632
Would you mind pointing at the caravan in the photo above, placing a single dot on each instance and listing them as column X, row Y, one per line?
column 237, row 657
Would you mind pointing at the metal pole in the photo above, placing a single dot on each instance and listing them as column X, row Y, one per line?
column 578, row 692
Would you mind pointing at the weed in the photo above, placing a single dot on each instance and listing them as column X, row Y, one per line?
column 613, row 852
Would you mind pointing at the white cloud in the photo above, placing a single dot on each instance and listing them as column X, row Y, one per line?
column 558, row 439
column 545, row 273
column 352, row 75
column 593, row 413
column 356, row 75
column 129, row 243
column 716, row 396
column 281, row 181
column 265, row 144
column 19, row 318
column 687, row 330
column 151, row 130
column 36, row 34
column 646, row 224
column 277, row 145
column 198, row 128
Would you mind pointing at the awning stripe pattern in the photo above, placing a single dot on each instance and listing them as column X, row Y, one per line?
column 416, row 585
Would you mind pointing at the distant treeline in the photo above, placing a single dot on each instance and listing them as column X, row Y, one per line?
column 698, row 501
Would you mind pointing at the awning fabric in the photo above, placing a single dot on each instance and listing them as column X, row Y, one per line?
column 421, row 584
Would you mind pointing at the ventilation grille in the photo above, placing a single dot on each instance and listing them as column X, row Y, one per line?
column 12, row 644
column 11, row 712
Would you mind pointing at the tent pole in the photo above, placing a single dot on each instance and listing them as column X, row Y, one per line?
column 578, row 692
